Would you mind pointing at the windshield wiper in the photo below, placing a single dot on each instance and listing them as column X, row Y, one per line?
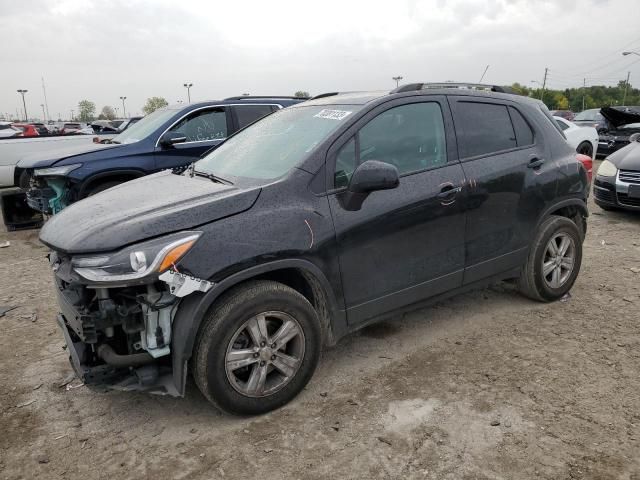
column 211, row 177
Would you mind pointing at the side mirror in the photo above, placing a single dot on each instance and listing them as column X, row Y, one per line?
column 171, row 138
column 370, row 176
column 373, row 175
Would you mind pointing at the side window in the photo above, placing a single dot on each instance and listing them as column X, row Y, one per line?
column 411, row 137
column 524, row 134
column 563, row 126
column 203, row 125
column 486, row 128
column 247, row 114
column 345, row 164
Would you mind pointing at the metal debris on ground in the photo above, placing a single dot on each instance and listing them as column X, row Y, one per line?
column 68, row 379
column 25, row 404
column 5, row 244
column 5, row 308
column 566, row 297
column 635, row 269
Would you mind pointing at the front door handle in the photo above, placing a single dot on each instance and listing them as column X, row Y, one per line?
column 535, row 162
column 448, row 193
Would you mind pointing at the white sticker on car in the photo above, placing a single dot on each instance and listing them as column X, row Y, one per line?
column 332, row 114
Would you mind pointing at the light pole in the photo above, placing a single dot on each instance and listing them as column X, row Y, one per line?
column 124, row 110
column 72, row 115
column 397, row 79
column 188, row 87
column 44, row 115
column 24, row 104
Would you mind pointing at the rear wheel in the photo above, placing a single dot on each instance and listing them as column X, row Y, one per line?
column 257, row 349
column 585, row 148
column 554, row 260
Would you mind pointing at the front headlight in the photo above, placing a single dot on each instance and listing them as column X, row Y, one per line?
column 56, row 171
column 136, row 261
column 607, row 169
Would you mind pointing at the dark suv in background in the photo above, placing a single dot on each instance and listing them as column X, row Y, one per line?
column 168, row 138
column 313, row 222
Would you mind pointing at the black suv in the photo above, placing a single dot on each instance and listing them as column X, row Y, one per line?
column 309, row 224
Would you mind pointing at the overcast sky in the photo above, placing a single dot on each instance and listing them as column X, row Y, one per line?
column 101, row 50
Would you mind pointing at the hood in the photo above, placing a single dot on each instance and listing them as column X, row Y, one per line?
column 618, row 118
column 627, row 158
column 50, row 157
column 144, row 208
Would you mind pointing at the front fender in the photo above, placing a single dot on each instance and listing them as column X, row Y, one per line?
column 193, row 309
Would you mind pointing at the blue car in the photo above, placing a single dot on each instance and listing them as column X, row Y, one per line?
column 169, row 138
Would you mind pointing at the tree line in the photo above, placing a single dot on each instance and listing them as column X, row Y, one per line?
column 595, row 96
column 87, row 109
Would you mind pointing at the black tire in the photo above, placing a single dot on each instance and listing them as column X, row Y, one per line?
column 220, row 327
column 102, row 187
column 532, row 282
column 585, row 148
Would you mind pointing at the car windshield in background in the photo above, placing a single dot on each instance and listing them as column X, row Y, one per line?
column 277, row 143
column 589, row 115
column 145, row 127
column 630, row 125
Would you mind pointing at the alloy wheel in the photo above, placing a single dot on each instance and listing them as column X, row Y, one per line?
column 558, row 260
column 264, row 354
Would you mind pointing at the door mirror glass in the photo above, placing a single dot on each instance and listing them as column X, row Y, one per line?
column 171, row 138
column 374, row 175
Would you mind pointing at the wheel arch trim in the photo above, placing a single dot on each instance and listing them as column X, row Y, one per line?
column 188, row 319
column 90, row 181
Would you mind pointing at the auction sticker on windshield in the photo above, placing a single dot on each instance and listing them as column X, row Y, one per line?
column 332, row 114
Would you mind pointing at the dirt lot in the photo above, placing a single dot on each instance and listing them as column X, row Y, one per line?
column 487, row 385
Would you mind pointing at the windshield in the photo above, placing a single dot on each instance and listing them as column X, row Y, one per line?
column 274, row 145
column 589, row 115
column 145, row 127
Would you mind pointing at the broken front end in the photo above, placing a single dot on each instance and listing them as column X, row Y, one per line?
column 117, row 311
column 49, row 190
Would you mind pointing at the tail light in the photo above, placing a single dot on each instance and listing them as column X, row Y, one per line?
column 587, row 162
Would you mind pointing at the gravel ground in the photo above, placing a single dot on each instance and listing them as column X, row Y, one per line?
column 487, row 385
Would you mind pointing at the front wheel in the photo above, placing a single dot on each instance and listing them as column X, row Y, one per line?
column 554, row 260
column 257, row 349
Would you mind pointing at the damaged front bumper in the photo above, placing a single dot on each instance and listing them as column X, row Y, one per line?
column 48, row 195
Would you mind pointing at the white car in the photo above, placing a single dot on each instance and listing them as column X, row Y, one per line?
column 583, row 139
column 8, row 131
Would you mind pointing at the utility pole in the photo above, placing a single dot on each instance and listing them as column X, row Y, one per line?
column 626, row 86
column 24, row 104
column 544, row 83
column 584, row 90
column 124, row 110
column 46, row 103
column 397, row 79
column 43, row 114
column 483, row 74
column 188, row 87
column 72, row 115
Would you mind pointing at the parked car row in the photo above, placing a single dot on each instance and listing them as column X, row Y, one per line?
column 312, row 222
column 172, row 137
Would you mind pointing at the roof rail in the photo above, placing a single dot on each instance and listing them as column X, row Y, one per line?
column 323, row 95
column 251, row 97
column 412, row 87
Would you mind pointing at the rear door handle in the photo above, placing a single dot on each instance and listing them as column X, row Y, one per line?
column 535, row 162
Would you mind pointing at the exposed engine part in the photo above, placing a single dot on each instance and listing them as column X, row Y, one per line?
column 147, row 375
column 158, row 309
column 182, row 285
column 110, row 357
